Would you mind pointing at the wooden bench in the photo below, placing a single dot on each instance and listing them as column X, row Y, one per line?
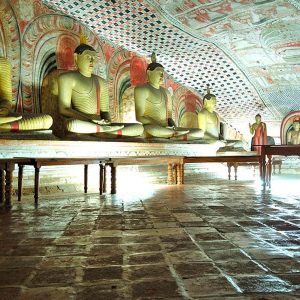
column 231, row 160
column 37, row 163
column 275, row 162
column 174, row 163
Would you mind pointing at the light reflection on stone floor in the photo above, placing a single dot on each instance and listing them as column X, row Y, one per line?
column 217, row 239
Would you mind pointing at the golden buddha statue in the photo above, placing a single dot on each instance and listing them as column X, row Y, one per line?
column 14, row 122
column 293, row 136
column 153, row 107
column 83, row 99
column 208, row 119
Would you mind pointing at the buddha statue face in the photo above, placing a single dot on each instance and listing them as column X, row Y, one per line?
column 156, row 76
column 258, row 119
column 210, row 104
column 85, row 62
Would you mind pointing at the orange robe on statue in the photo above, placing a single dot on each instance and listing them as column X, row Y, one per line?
column 260, row 137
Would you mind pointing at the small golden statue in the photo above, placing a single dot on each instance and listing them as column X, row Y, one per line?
column 293, row 136
column 208, row 119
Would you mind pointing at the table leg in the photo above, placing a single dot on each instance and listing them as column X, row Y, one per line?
column 36, row 184
column 229, row 165
column 2, row 185
column 269, row 169
column 85, row 178
column 20, row 182
column 8, row 186
column 170, row 174
column 178, row 173
column 235, row 166
column 100, row 178
column 113, row 179
column 182, row 173
column 262, row 166
column 104, row 178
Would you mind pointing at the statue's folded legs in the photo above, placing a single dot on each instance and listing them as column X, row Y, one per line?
column 14, row 122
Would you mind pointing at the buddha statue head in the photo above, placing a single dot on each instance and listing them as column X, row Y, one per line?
column 85, row 58
column 155, row 72
column 258, row 119
column 209, row 101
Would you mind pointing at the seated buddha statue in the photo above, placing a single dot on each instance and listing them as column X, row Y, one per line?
column 293, row 136
column 83, row 99
column 15, row 122
column 259, row 129
column 153, row 107
column 208, row 119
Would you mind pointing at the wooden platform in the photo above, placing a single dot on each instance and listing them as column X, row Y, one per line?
column 103, row 148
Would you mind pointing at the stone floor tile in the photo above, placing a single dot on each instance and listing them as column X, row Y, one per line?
column 10, row 293
column 262, row 284
column 16, row 276
column 187, row 256
column 103, row 260
column 287, row 265
column 145, row 258
column 206, row 286
column 103, row 273
column 192, row 270
column 155, row 289
column 216, row 245
column 42, row 293
column 233, row 267
column 61, row 261
column 226, row 255
column 149, row 271
column 53, row 276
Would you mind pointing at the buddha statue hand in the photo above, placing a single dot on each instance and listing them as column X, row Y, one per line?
column 101, row 122
column 112, row 128
column 180, row 132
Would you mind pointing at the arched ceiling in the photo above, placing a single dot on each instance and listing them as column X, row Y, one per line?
column 247, row 50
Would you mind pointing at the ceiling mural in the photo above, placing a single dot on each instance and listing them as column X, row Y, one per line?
column 247, row 50
column 261, row 36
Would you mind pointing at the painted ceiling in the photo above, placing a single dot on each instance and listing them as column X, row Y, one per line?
column 247, row 50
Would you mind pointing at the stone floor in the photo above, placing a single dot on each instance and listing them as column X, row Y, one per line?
column 208, row 239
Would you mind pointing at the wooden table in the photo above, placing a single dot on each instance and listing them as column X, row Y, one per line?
column 268, row 150
column 174, row 163
column 7, row 166
column 37, row 163
column 231, row 160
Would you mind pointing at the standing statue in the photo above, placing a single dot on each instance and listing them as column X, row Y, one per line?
column 83, row 99
column 208, row 119
column 153, row 107
column 259, row 129
column 293, row 136
column 14, row 122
